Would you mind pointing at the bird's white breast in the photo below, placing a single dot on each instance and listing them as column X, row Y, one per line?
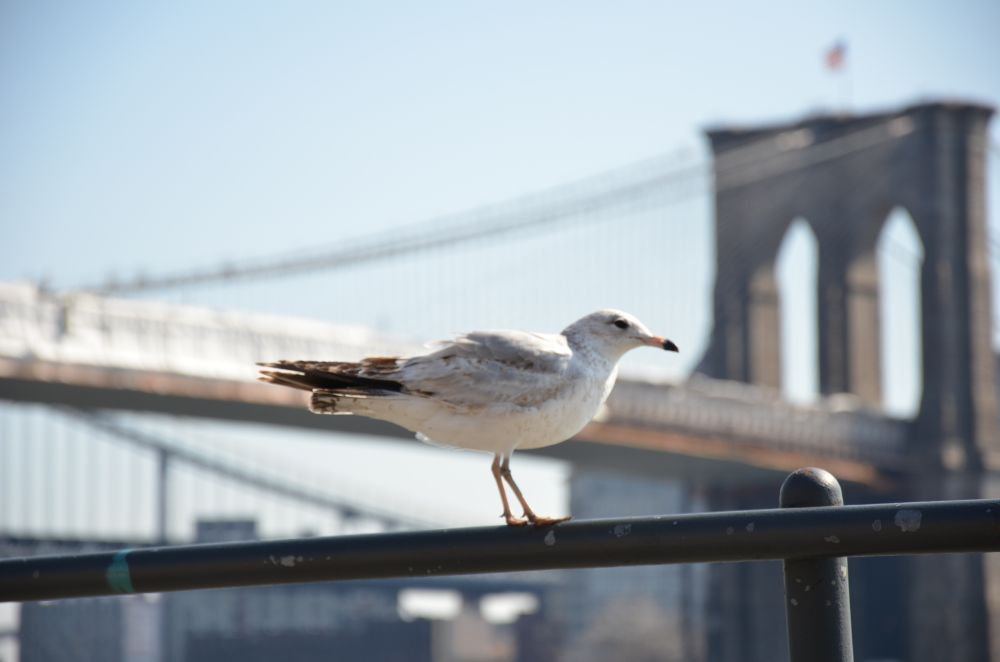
column 504, row 427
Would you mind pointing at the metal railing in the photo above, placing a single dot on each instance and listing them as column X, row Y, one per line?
column 812, row 533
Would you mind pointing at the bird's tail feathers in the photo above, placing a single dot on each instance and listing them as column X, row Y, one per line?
column 309, row 375
column 344, row 402
column 285, row 379
column 337, row 388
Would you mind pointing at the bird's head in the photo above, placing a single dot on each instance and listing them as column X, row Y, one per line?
column 612, row 333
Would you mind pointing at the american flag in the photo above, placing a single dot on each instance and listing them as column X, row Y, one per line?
column 836, row 55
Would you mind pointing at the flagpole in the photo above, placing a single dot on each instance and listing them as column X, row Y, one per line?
column 845, row 88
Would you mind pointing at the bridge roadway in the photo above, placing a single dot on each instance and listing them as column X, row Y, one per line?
column 96, row 353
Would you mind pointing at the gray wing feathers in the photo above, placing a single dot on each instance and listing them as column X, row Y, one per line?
column 490, row 367
column 482, row 368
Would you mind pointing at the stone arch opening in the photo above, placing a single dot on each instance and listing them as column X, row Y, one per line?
column 796, row 271
column 900, row 259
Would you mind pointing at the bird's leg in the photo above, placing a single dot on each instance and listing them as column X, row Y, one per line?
column 507, row 514
column 528, row 512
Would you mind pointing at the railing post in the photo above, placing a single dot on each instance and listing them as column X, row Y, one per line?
column 162, row 495
column 817, row 600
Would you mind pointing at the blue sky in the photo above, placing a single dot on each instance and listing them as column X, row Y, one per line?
column 139, row 136
column 157, row 136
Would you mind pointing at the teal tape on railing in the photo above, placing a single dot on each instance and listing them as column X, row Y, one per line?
column 118, row 575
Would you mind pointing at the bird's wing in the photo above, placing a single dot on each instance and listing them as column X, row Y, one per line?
column 490, row 367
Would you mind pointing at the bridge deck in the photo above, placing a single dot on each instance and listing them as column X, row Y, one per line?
column 622, row 440
column 96, row 353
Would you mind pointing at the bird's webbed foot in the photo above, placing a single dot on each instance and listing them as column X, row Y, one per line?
column 514, row 521
column 537, row 520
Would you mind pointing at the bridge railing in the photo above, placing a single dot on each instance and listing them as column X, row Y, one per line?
column 836, row 426
column 812, row 533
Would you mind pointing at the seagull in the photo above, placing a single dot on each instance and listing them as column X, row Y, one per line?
column 495, row 391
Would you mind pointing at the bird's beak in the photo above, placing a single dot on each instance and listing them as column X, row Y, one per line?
column 662, row 343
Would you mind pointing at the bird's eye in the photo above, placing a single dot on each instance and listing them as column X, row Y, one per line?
column 621, row 324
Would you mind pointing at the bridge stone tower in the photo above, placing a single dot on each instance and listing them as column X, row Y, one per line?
column 843, row 175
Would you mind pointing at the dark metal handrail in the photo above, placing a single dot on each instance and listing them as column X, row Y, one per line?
column 805, row 537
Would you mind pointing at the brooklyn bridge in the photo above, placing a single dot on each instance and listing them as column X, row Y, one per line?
column 110, row 403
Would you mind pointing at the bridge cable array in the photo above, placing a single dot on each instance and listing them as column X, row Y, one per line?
column 653, row 182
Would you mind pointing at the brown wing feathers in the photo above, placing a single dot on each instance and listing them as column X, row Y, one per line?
column 330, row 375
